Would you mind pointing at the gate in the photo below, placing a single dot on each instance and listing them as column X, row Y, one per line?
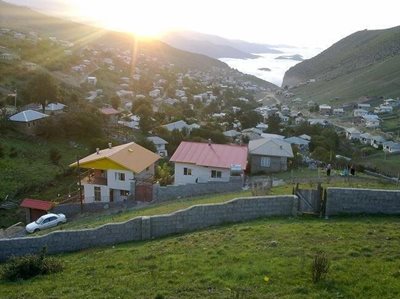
column 144, row 191
column 311, row 201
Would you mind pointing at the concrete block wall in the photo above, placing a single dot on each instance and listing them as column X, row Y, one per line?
column 145, row 228
column 362, row 201
column 189, row 190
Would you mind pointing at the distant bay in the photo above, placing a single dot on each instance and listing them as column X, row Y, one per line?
column 278, row 67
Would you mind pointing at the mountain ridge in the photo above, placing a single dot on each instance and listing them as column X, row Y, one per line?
column 361, row 57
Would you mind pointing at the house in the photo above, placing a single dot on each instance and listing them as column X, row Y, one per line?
column 377, row 141
column 231, row 134
column 359, row 112
column 27, row 120
column 391, row 147
column 110, row 114
column 159, row 144
column 179, row 125
column 338, row 111
column 251, row 133
column 365, row 138
column 325, row 109
column 301, row 143
column 115, row 172
column 54, row 108
column 371, row 120
column 352, row 134
column 269, row 155
column 383, row 109
column 363, row 106
column 207, row 162
column 92, row 81
column 305, row 137
column 317, row 121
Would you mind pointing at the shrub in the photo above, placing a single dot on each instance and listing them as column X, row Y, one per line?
column 29, row 266
column 13, row 152
column 319, row 267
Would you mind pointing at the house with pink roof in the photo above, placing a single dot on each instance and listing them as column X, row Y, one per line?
column 197, row 162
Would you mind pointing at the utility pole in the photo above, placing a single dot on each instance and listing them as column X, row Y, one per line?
column 79, row 183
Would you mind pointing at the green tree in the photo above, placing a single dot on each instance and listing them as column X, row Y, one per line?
column 115, row 102
column 274, row 124
column 164, row 173
column 43, row 89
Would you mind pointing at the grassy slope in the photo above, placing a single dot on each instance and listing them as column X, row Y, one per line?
column 232, row 261
column 32, row 172
column 32, row 167
column 380, row 79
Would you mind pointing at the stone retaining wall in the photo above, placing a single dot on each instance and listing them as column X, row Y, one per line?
column 362, row 201
column 144, row 228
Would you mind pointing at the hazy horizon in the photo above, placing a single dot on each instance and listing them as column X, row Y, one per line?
column 308, row 23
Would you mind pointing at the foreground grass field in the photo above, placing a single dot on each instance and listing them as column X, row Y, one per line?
column 232, row 262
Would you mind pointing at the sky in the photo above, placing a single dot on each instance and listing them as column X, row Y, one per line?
column 306, row 23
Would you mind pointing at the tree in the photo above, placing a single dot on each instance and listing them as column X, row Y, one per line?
column 274, row 124
column 43, row 89
column 115, row 102
column 146, row 143
column 164, row 173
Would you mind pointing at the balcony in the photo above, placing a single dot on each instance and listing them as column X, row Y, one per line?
column 94, row 180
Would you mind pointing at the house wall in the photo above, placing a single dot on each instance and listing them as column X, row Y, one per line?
column 114, row 183
column 145, row 228
column 277, row 164
column 360, row 201
column 88, row 190
column 201, row 173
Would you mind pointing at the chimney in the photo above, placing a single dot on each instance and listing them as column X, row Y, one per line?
column 109, row 145
column 97, row 150
column 209, row 141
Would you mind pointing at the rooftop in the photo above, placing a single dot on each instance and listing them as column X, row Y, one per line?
column 211, row 155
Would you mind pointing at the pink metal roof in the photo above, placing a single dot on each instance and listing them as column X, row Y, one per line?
column 109, row 111
column 37, row 204
column 211, row 155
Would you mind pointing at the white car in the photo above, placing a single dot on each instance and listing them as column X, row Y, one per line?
column 46, row 221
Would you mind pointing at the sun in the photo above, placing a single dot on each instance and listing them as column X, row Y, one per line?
column 144, row 18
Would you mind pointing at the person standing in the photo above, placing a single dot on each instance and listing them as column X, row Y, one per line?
column 328, row 170
column 352, row 170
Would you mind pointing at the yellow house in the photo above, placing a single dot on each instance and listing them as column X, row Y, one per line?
column 115, row 172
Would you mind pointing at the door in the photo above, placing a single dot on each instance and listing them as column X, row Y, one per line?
column 111, row 195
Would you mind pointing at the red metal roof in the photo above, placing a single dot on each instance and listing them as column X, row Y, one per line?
column 211, row 155
column 36, row 204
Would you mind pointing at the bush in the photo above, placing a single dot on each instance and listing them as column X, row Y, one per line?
column 319, row 267
column 30, row 266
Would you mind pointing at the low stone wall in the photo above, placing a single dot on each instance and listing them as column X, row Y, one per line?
column 362, row 201
column 190, row 190
column 73, row 209
column 144, row 228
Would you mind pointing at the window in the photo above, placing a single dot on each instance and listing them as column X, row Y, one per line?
column 265, row 162
column 216, row 174
column 119, row 176
column 97, row 194
column 124, row 193
column 187, row 171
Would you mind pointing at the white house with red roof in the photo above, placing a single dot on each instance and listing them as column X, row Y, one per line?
column 207, row 162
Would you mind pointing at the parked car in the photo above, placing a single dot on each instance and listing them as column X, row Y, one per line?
column 46, row 221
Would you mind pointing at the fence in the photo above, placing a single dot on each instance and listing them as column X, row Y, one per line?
column 144, row 228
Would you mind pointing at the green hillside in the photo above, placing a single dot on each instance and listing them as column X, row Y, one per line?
column 365, row 63
column 269, row 258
